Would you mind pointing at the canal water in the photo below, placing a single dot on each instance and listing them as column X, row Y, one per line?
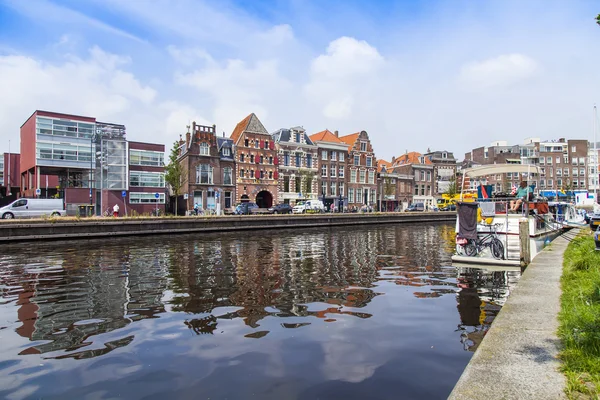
column 369, row 312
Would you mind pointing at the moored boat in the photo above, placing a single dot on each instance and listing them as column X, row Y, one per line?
column 487, row 231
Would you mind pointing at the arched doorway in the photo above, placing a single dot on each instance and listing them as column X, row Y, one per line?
column 264, row 199
column 245, row 198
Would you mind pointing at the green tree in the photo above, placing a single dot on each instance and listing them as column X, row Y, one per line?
column 388, row 189
column 598, row 19
column 451, row 191
column 175, row 174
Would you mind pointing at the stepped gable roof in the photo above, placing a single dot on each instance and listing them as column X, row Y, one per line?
column 410, row 158
column 381, row 164
column 325, row 136
column 251, row 124
column 350, row 139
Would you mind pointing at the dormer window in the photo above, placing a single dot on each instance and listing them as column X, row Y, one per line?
column 204, row 149
column 226, row 151
column 444, row 155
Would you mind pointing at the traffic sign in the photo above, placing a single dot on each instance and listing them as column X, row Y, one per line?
column 38, row 191
column 185, row 196
column 156, row 195
column 124, row 193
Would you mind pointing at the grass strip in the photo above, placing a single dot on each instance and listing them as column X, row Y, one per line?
column 579, row 318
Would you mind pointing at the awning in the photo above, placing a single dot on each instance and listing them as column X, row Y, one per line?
column 494, row 169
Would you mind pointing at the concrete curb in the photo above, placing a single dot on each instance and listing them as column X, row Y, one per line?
column 517, row 359
column 96, row 228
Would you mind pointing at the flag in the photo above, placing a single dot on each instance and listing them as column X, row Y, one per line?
column 513, row 190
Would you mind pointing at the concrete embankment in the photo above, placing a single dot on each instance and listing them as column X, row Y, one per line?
column 517, row 357
column 12, row 231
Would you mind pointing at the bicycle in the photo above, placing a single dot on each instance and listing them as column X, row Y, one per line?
column 472, row 247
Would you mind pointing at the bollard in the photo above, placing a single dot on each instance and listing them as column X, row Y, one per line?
column 597, row 239
column 524, row 242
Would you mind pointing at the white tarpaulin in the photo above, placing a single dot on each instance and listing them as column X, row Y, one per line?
column 494, row 169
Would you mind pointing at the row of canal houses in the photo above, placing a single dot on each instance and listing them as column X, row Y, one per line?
column 289, row 165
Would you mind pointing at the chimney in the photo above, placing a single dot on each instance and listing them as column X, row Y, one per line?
column 393, row 160
column 336, row 133
column 187, row 139
column 215, row 129
column 223, row 133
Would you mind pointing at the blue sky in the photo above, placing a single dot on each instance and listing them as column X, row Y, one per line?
column 445, row 74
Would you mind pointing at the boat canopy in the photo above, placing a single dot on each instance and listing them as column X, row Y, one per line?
column 493, row 169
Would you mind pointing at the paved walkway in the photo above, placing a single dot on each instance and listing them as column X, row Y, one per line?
column 517, row 358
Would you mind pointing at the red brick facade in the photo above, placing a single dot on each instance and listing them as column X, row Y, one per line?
column 256, row 163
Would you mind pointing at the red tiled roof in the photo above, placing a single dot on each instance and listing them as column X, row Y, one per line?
column 383, row 163
column 325, row 136
column 410, row 158
column 240, row 127
column 350, row 139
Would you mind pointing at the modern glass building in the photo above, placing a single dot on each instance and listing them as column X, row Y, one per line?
column 76, row 158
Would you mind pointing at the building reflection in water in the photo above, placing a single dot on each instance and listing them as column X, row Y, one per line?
column 65, row 299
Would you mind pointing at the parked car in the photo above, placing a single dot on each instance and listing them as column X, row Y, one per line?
column 245, row 208
column 415, row 207
column 449, row 207
column 33, row 208
column 282, row 208
column 314, row 206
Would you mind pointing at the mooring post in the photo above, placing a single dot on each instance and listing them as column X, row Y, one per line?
column 524, row 242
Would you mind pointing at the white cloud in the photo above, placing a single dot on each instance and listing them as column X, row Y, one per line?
column 97, row 86
column 236, row 89
column 503, row 70
column 342, row 76
column 452, row 77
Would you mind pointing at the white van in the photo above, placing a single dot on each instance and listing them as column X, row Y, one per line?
column 33, row 208
column 315, row 206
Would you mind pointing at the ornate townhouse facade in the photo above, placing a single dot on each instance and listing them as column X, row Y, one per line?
column 256, row 163
column 332, row 154
column 297, row 156
column 209, row 180
column 421, row 168
column 362, row 170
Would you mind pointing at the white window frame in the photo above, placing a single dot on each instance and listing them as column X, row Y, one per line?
column 371, row 177
column 324, row 170
column 146, row 198
column 204, row 149
column 323, row 154
column 230, row 170
column 209, row 174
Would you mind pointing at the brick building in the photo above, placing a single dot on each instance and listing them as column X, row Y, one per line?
column 256, row 163
column 78, row 159
column 146, row 177
column 444, row 170
column 208, row 162
column 395, row 188
column 421, row 169
column 332, row 155
column 297, row 154
column 563, row 163
column 362, row 168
